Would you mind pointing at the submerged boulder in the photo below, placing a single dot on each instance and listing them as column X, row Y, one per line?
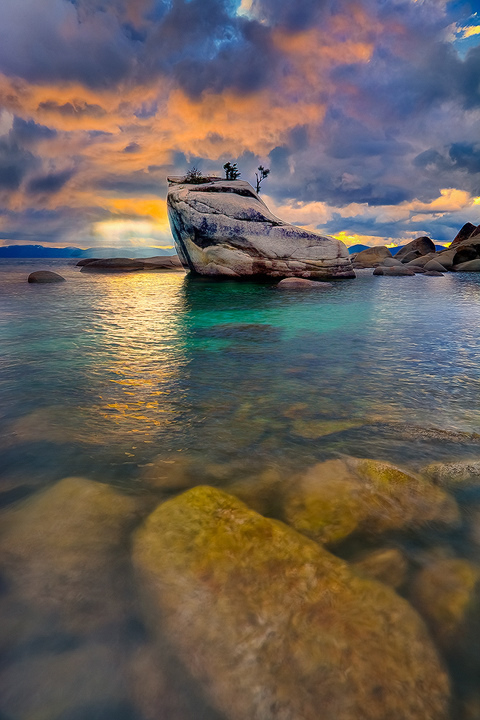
column 222, row 227
column 337, row 498
column 447, row 595
column 61, row 554
column 274, row 627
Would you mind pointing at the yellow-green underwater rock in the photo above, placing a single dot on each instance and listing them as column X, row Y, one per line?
column 388, row 565
column 62, row 554
column 274, row 627
column 336, row 498
column 447, row 594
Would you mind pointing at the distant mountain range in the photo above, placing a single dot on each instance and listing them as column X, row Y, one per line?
column 40, row 251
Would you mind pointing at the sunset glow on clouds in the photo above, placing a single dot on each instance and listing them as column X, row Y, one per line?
column 366, row 111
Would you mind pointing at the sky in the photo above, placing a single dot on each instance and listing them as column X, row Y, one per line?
column 367, row 113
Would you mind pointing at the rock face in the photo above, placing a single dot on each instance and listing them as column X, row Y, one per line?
column 222, row 227
column 45, row 276
column 274, row 627
column 420, row 246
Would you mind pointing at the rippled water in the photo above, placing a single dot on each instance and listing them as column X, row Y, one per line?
column 101, row 375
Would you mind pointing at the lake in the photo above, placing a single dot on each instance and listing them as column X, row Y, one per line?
column 154, row 382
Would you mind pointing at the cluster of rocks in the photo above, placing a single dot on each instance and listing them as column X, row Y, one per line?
column 245, row 617
column 421, row 256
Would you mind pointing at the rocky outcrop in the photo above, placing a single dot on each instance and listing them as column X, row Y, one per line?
column 274, row 627
column 223, row 228
column 372, row 257
column 420, row 246
column 45, row 276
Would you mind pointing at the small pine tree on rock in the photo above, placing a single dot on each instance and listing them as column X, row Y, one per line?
column 261, row 175
column 231, row 171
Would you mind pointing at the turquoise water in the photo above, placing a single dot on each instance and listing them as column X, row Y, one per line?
column 105, row 376
column 104, row 372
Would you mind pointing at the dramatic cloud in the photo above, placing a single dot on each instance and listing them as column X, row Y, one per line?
column 366, row 111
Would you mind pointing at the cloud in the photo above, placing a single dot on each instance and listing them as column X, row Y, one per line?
column 51, row 183
column 366, row 112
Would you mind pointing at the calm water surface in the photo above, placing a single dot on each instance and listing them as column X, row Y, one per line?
column 103, row 374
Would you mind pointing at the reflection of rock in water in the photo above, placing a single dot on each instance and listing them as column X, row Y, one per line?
column 273, row 626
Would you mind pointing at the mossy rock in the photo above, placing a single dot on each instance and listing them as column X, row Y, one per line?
column 62, row 554
column 337, row 498
column 273, row 626
column 388, row 565
column 454, row 475
column 447, row 594
column 325, row 503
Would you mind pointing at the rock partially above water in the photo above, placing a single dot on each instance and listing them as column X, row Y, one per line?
column 222, row 227
column 421, row 246
column 45, row 276
column 274, row 627
column 372, row 257
column 113, row 265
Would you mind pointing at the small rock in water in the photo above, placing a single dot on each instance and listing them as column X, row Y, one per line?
column 447, row 595
column 388, row 565
column 400, row 270
column 465, row 473
column 433, row 273
column 272, row 626
column 45, row 276
column 296, row 283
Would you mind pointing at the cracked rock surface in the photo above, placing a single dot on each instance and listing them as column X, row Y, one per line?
column 222, row 227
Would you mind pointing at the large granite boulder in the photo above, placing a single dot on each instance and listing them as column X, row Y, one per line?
column 421, row 246
column 222, row 227
column 274, row 627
